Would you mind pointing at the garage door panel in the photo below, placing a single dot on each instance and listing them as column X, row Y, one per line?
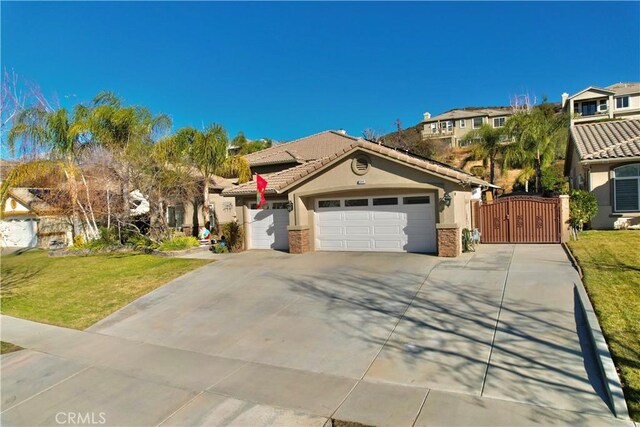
column 387, row 229
column 357, row 215
column 326, row 230
column 388, row 245
column 358, row 244
column 383, row 215
column 269, row 228
column 393, row 228
column 357, row 230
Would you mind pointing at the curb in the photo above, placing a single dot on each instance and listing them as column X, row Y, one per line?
column 608, row 371
column 573, row 260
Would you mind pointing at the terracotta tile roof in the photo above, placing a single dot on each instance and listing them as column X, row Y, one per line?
column 279, row 181
column 302, row 150
column 607, row 140
column 624, row 88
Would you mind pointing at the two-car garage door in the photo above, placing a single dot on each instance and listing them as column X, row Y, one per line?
column 382, row 224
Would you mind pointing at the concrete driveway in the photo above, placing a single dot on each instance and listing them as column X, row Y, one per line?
column 490, row 338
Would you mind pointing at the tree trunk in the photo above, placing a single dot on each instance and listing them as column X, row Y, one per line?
column 205, row 201
column 538, row 172
column 73, row 194
column 492, row 169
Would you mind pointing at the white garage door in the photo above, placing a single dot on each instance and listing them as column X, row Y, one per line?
column 382, row 224
column 269, row 226
column 18, row 233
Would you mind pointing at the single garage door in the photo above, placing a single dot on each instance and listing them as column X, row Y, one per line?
column 18, row 233
column 269, row 226
column 382, row 224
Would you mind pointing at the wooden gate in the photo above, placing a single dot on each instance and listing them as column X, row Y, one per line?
column 520, row 220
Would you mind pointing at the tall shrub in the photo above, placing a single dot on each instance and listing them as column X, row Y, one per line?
column 583, row 206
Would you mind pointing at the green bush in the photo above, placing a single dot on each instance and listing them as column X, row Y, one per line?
column 553, row 180
column 220, row 249
column 233, row 234
column 583, row 206
column 178, row 243
column 106, row 239
column 140, row 241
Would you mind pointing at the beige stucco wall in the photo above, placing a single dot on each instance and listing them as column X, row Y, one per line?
column 600, row 185
column 384, row 177
column 225, row 208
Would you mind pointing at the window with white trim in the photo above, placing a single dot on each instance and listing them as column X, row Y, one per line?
column 175, row 216
column 498, row 122
column 463, row 123
column 626, row 188
column 622, row 102
column 477, row 122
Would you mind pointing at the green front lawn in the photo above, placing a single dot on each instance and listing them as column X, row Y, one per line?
column 610, row 261
column 76, row 292
column 7, row 347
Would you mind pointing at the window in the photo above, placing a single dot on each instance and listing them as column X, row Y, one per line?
column 463, row 123
column 498, row 122
column 279, row 205
column 627, row 188
column 477, row 122
column 416, row 200
column 385, row 201
column 356, row 202
column 329, row 204
column 175, row 216
column 434, row 128
column 446, row 126
column 622, row 102
column 253, row 206
column 587, row 108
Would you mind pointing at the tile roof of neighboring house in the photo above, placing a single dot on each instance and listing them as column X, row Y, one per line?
column 607, row 140
column 302, row 150
column 28, row 197
column 467, row 113
column 276, row 182
column 625, row 88
column 615, row 89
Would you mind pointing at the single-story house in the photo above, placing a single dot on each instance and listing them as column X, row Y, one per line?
column 334, row 192
column 604, row 158
column 186, row 215
column 28, row 221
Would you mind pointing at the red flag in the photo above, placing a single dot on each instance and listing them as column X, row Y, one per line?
column 262, row 186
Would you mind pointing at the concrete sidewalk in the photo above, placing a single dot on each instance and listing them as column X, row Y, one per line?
column 132, row 383
column 491, row 338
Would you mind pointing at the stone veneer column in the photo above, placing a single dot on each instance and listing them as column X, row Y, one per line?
column 298, row 239
column 449, row 240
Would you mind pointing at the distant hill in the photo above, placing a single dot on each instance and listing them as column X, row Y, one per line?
column 409, row 137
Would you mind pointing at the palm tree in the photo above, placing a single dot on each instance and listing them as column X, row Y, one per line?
column 124, row 131
column 536, row 133
column 53, row 134
column 487, row 144
column 207, row 152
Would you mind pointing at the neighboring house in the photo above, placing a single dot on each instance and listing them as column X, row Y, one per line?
column 28, row 221
column 604, row 158
column 452, row 127
column 334, row 192
column 185, row 216
column 288, row 154
column 618, row 101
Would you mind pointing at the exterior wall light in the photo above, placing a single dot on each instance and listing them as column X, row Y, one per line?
column 289, row 206
column 446, row 199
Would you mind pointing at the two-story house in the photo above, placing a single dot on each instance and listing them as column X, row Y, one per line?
column 452, row 126
column 618, row 101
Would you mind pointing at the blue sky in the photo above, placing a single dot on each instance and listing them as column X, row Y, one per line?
column 286, row 70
